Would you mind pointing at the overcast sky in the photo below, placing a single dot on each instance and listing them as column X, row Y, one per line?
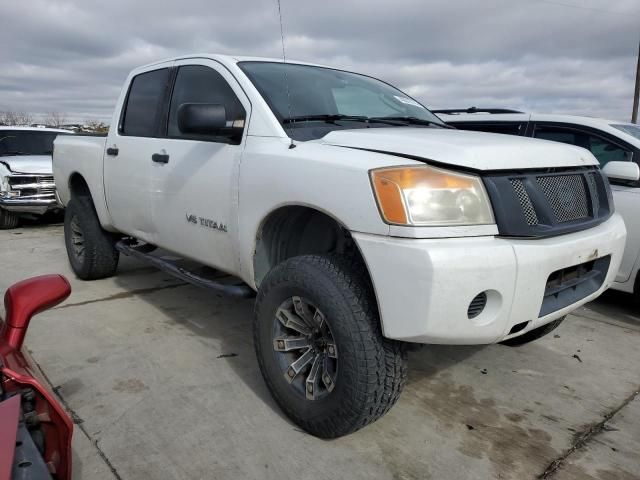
column 562, row 56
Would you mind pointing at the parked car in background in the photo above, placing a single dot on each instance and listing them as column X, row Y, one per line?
column 360, row 218
column 615, row 144
column 35, row 431
column 26, row 176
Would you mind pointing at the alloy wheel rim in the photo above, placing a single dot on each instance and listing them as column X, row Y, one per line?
column 305, row 348
column 77, row 238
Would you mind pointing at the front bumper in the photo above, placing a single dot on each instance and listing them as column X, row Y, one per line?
column 424, row 287
column 36, row 205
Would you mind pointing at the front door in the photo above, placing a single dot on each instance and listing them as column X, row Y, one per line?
column 626, row 200
column 194, row 195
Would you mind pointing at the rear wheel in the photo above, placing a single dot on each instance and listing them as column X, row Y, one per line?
column 320, row 347
column 534, row 334
column 90, row 248
column 8, row 219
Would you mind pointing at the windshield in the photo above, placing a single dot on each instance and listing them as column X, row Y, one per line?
column 633, row 130
column 25, row 142
column 311, row 101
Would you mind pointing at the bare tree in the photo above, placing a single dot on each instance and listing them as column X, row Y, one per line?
column 55, row 119
column 15, row 118
column 96, row 126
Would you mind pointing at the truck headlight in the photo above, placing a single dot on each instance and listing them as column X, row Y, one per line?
column 4, row 180
column 425, row 195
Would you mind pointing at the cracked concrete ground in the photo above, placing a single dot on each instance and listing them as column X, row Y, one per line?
column 163, row 383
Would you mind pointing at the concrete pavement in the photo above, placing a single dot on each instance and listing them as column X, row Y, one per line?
column 163, row 382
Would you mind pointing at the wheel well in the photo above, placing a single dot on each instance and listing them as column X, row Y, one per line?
column 297, row 230
column 78, row 186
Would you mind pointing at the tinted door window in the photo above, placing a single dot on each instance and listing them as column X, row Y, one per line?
column 571, row 137
column 607, row 152
column 143, row 103
column 200, row 84
column 602, row 149
column 506, row 128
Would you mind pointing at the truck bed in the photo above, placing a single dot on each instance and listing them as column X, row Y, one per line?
column 80, row 153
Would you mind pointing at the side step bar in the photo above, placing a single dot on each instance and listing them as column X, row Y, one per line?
column 237, row 290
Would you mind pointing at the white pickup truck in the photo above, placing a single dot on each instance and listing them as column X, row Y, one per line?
column 361, row 220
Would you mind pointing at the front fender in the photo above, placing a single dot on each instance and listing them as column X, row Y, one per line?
column 332, row 180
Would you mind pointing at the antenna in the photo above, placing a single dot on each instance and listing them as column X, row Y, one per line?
column 284, row 60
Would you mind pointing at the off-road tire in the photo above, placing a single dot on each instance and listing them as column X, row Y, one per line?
column 100, row 258
column 371, row 370
column 8, row 219
column 534, row 334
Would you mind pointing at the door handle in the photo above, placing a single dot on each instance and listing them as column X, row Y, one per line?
column 160, row 157
column 112, row 151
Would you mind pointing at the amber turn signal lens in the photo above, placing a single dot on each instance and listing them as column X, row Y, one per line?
column 389, row 198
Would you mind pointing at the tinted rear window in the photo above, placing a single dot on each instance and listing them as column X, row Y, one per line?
column 143, row 103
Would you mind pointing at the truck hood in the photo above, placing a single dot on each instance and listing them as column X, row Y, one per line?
column 474, row 150
column 28, row 164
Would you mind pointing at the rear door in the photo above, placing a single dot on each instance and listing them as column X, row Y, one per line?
column 129, row 155
column 194, row 195
column 626, row 195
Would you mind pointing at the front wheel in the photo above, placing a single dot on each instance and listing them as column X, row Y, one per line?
column 320, row 347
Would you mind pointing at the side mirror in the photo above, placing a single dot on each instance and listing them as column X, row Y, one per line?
column 25, row 299
column 201, row 118
column 622, row 171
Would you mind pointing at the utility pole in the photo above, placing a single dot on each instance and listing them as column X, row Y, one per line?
column 636, row 96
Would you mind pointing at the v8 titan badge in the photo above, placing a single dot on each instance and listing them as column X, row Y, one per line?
column 206, row 222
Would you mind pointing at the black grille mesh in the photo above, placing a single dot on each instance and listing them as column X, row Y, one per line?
column 527, row 208
column 593, row 188
column 566, row 195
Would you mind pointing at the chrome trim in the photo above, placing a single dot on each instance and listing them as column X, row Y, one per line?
column 25, row 186
column 45, row 197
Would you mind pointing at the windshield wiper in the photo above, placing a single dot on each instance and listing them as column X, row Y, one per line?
column 413, row 121
column 331, row 118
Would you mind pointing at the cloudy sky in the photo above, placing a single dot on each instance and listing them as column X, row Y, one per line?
column 564, row 56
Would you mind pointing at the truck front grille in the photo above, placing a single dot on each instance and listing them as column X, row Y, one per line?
column 33, row 186
column 539, row 204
